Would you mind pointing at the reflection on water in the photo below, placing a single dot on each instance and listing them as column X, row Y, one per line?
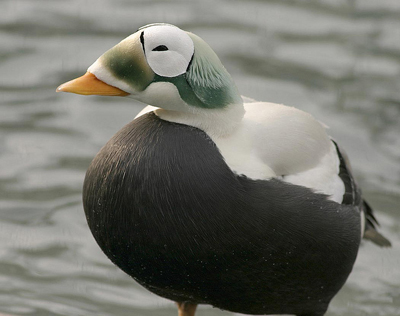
column 338, row 59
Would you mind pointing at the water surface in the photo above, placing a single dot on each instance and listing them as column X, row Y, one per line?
column 337, row 59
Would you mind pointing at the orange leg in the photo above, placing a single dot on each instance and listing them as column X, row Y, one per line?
column 186, row 308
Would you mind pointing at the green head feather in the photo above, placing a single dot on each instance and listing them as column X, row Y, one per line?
column 205, row 84
column 208, row 78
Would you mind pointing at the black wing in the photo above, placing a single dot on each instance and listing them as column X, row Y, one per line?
column 353, row 196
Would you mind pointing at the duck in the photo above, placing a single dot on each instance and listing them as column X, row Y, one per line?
column 208, row 197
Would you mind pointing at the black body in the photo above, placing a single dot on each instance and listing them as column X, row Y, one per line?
column 164, row 207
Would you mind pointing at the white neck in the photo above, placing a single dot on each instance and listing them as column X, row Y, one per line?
column 215, row 122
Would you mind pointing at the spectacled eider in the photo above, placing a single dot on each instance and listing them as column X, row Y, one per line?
column 247, row 206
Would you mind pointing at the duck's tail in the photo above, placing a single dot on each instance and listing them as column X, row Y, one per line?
column 353, row 196
column 370, row 231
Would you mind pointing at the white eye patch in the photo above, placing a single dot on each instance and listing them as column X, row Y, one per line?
column 168, row 50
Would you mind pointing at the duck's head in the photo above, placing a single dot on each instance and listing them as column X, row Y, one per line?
column 163, row 66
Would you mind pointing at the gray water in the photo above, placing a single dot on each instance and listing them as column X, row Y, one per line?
column 337, row 59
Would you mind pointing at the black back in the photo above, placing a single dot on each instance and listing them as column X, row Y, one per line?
column 164, row 207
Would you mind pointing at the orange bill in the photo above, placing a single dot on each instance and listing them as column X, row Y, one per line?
column 88, row 84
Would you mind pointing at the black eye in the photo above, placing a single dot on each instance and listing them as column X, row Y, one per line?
column 160, row 48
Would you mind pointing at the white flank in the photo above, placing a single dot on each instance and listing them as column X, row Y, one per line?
column 362, row 216
column 323, row 178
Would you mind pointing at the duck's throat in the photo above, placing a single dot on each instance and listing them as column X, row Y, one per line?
column 215, row 122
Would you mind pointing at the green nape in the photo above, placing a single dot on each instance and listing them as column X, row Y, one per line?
column 211, row 86
column 185, row 90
